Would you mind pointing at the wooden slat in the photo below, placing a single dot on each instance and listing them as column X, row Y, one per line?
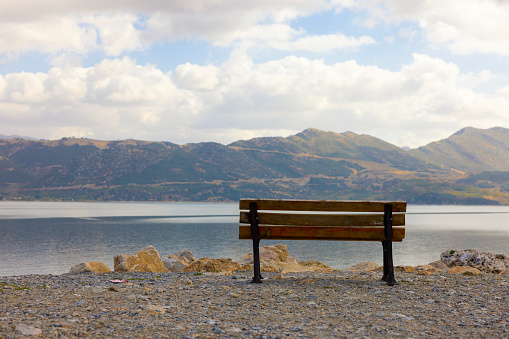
column 322, row 233
column 322, row 219
column 323, row 205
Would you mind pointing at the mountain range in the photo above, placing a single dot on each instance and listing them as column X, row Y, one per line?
column 469, row 167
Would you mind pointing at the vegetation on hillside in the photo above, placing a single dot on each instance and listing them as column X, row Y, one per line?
column 470, row 167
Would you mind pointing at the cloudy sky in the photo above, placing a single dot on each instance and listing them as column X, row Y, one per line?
column 408, row 72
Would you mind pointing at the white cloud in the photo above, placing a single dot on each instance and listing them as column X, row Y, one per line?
column 120, row 99
column 50, row 34
column 195, row 77
column 117, row 32
column 116, row 26
column 322, row 43
column 463, row 26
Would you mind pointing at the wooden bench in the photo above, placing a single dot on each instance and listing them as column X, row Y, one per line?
column 323, row 220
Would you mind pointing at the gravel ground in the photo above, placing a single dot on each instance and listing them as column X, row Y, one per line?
column 309, row 305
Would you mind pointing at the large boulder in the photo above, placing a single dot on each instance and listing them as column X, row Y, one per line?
column 146, row 260
column 176, row 262
column 89, row 267
column 483, row 261
column 276, row 258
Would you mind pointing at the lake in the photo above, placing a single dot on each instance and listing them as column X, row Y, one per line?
column 50, row 237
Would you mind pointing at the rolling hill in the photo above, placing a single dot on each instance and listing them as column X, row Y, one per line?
column 469, row 167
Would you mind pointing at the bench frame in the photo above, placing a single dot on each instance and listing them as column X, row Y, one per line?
column 324, row 227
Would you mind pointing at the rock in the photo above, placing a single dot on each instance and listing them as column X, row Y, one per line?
column 146, row 260
column 314, row 263
column 483, row 261
column 426, row 269
column 27, row 330
column 405, row 268
column 212, row 265
column 156, row 308
column 363, row 267
column 118, row 259
column 89, row 267
column 174, row 263
column 466, row 270
column 186, row 254
column 439, row 265
column 276, row 258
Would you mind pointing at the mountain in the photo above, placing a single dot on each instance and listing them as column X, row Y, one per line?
column 15, row 137
column 469, row 167
column 470, row 150
column 351, row 146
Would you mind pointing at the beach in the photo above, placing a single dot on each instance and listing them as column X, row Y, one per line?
column 213, row 305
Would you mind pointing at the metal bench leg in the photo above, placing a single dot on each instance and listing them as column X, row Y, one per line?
column 386, row 265
column 387, row 247
column 253, row 209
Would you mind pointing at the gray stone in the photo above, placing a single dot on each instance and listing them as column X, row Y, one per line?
column 483, row 261
column 186, row 254
column 27, row 330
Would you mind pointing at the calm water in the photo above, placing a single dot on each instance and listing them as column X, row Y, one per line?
column 50, row 237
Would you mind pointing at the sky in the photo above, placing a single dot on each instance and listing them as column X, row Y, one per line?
column 186, row 71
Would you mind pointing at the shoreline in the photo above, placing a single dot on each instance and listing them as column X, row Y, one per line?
column 213, row 305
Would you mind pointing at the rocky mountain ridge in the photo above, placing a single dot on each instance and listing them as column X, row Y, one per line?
column 469, row 167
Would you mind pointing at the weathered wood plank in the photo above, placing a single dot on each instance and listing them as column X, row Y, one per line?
column 322, row 219
column 323, row 205
column 322, row 233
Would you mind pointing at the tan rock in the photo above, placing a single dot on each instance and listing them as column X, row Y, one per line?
column 118, row 259
column 146, row 260
column 314, row 263
column 405, row 268
column 212, row 265
column 363, row 267
column 466, row 270
column 426, row 269
column 276, row 258
column 89, row 267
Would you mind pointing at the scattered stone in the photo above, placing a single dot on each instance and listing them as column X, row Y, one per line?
column 146, row 260
column 157, row 308
column 89, row 267
column 343, row 304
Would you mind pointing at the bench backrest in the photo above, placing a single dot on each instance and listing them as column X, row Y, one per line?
column 322, row 219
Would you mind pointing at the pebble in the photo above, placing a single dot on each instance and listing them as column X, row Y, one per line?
column 296, row 305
